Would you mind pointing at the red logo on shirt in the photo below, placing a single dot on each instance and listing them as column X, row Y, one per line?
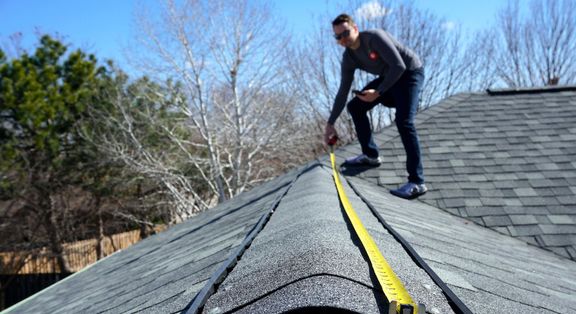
column 373, row 55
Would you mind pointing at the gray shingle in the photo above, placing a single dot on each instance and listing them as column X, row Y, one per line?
column 531, row 201
column 525, row 192
column 567, row 200
column 525, row 230
column 451, row 202
column 523, row 219
column 562, row 219
column 484, row 211
column 558, row 229
column 493, row 202
column 497, row 221
column 512, row 202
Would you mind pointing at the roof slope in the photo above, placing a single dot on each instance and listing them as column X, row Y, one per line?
column 504, row 159
column 307, row 256
column 488, row 271
column 297, row 251
column 164, row 272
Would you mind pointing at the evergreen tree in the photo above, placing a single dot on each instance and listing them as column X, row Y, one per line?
column 43, row 98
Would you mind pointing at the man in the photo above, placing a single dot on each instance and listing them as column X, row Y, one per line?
column 400, row 77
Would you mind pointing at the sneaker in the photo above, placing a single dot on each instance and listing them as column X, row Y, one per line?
column 410, row 190
column 362, row 160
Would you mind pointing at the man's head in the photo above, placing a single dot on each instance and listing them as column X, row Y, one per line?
column 345, row 31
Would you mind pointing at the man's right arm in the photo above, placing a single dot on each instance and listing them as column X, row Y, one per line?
column 347, row 76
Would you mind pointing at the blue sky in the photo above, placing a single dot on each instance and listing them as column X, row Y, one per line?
column 103, row 27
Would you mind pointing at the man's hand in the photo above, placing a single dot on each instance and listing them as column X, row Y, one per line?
column 369, row 95
column 329, row 133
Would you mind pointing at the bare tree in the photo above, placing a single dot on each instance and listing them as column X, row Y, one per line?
column 554, row 26
column 36, row 219
column 514, row 68
column 237, row 125
column 478, row 62
column 136, row 131
column 537, row 49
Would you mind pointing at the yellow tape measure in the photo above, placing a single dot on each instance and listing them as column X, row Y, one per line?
column 390, row 283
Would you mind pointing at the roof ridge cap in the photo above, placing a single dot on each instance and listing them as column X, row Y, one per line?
column 530, row 90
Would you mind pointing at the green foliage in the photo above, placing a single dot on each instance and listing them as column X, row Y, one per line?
column 42, row 97
column 60, row 112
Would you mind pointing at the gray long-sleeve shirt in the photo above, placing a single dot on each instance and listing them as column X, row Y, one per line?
column 380, row 54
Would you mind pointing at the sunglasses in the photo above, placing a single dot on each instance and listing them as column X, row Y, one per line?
column 344, row 34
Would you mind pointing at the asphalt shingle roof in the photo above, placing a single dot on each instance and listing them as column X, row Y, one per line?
column 488, row 271
column 163, row 273
column 505, row 160
column 306, row 256
column 307, row 247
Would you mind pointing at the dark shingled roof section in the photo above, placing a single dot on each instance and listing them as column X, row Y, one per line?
column 488, row 271
column 307, row 256
column 505, row 160
column 163, row 273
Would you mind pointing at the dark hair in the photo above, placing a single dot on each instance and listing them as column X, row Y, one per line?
column 343, row 18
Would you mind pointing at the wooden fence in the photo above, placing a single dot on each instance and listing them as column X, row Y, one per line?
column 79, row 255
